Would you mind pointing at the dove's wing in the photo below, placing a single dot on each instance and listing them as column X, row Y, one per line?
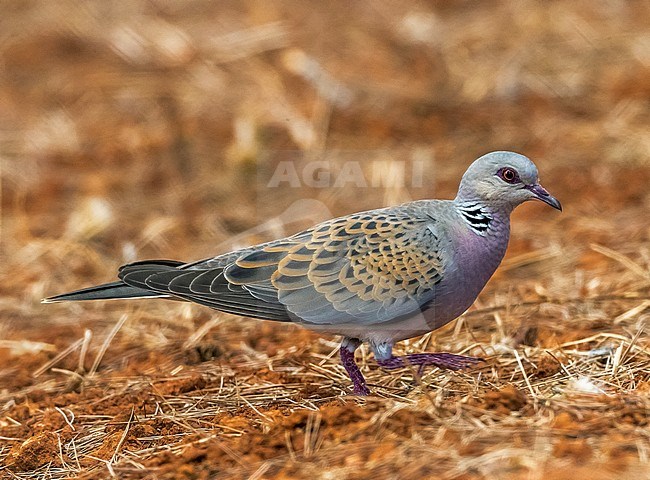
column 367, row 268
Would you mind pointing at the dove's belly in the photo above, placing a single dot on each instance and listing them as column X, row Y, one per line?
column 432, row 317
column 388, row 332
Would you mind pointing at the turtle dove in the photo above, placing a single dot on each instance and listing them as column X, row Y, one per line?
column 379, row 276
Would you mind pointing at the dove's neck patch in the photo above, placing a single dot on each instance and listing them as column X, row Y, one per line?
column 477, row 216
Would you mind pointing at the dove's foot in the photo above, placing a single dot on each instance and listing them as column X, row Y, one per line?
column 348, row 346
column 448, row 361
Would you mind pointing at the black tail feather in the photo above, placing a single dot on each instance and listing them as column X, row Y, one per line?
column 106, row 291
column 151, row 263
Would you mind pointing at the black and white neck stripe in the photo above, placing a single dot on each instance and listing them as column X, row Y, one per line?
column 477, row 216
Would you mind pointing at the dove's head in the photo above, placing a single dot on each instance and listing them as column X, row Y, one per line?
column 503, row 180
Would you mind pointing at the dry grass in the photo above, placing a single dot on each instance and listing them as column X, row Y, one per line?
column 153, row 129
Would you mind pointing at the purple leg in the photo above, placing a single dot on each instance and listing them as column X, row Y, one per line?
column 448, row 361
column 348, row 346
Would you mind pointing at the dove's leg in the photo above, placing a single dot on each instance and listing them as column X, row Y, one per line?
column 449, row 361
column 348, row 347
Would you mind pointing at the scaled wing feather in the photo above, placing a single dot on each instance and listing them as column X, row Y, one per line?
column 367, row 268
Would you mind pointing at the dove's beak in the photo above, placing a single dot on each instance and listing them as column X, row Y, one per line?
column 542, row 194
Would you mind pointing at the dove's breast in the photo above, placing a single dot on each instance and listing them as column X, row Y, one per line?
column 473, row 260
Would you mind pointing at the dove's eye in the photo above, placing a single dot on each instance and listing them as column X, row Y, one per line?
column 509, row 175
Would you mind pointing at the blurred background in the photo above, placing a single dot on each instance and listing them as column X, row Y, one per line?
column 181, row 129
column 148, row 128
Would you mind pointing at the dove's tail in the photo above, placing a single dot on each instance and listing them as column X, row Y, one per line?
column 107, row 291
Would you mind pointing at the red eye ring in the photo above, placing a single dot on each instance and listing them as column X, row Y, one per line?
column 508, row 175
